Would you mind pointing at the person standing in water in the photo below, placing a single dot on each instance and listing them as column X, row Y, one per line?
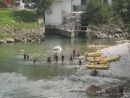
column 80, row 62
column 74, row 52
column 62, row 58
column 71, row 58
column 56, row 57
column 25, row 55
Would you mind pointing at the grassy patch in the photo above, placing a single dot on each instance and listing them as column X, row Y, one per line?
column 18, row 18
column 92, row 26
column 2, row 36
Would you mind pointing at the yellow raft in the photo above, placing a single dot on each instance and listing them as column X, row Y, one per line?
column 93, row 54
column 104, row 60
column 113, row 58
column 99, row 61
column 98, row 66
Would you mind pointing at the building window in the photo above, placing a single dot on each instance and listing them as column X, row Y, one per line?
column 83, row 2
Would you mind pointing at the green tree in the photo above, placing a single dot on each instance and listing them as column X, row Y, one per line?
column 98, row 12
column 43, row 5
column 122, row 8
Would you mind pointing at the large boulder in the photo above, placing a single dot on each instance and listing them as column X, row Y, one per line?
column 94, row 72
column 2, row 41
column 114, row 91
column 10, row 40
column 93, row 90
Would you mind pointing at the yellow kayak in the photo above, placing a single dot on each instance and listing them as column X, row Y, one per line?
column 104, row 60
column 99, row 61
column 100, row 57
column 93, row 54
column 113, row 58
column 98, row 66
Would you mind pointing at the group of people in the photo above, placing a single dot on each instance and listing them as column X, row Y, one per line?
column 62, row 57
column 55, row 58
column 26, row 56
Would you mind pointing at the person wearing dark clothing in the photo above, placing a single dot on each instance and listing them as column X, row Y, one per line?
column 56, row 57
column 80, row 62
column 48, row 59
column 74, row 53
column 97, row 62
column 25, row 55
column 62, row 58
column 71, row 58
column 34, row 60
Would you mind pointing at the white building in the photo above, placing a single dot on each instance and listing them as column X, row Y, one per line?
column 63, row 10
column 60, row 10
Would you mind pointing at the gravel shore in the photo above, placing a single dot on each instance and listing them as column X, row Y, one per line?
column 121, row 67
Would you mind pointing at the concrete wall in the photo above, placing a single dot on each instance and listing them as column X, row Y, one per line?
column 66, row 6
column 76, row 2
column 60, row 9
column 54, row 18
column 69, row 34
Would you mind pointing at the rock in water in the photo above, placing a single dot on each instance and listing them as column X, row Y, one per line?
column 94, row 72
column 93, row 90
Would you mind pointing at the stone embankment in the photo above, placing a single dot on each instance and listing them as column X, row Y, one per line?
column 11, row 34
column 107, row 31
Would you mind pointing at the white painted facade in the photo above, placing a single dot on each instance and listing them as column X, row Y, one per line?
column 109, row 1
column 76, row 2
column 60, row 10
column 55, row 17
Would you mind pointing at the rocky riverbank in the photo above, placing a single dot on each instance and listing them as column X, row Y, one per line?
column 108, row 31
column 12, row 34
column 117, row 70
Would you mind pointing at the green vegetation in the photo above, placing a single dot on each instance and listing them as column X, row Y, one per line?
column 98, row 12
column 18, row 18
column 43, row 5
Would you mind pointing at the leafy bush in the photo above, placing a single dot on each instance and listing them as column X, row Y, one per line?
column 98, row 12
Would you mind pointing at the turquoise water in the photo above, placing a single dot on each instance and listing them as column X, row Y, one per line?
column 21, row 78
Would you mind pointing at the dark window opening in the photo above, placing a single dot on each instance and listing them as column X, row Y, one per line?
column 83, row 2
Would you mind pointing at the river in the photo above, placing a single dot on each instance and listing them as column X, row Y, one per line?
column 21, row 78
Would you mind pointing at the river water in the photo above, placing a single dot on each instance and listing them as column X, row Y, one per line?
column 21, row 78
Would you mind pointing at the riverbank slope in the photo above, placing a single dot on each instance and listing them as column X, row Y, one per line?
column 20, row 26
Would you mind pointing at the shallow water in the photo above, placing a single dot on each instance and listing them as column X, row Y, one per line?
column 21, row 78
